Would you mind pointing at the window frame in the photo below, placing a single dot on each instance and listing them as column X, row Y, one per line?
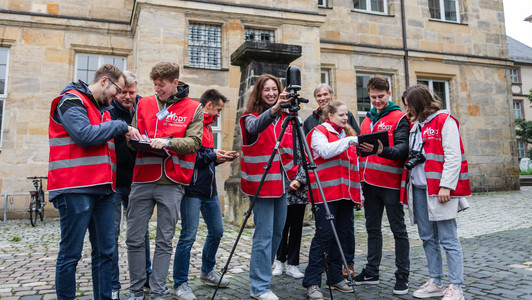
column 515, row 76
column 369, row 9
column 101, row 60
column 520, row 109
column 446, row 101
column 325, row 76
column 323, row 4
column 218, row 48
column 217, row 133
column 441, row 10
column 3, row 96
column 521, row 149
column 260, row 31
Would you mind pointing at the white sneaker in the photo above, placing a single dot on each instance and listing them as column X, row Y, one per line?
column 294, row 272
column 429, row 290
column 266, row 296
column 278, row 269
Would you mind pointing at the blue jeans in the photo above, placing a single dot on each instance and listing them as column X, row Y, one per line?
column 269, row 215
column 212, row 215
column 434, row 233
column 342, row 211
column 121, row 198
column 77, row 213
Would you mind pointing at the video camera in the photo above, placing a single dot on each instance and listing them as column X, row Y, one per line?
column 293, row 84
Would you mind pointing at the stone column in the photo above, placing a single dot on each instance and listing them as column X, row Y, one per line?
column 254, row 59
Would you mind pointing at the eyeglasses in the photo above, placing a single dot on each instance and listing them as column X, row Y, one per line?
column 118, row 89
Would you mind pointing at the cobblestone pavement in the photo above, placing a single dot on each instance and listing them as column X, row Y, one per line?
column 496, row 237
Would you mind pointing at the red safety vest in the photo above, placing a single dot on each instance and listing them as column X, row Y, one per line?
column 208, row 138
column 376, row 170
column 432, row 144
column 74, row 166
column 177, row 167
column 255, row 156
column 339, row 176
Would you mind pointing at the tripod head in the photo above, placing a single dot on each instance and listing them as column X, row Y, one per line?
column 293, row 84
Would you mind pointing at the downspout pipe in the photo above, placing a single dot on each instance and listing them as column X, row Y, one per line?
column 405, row 46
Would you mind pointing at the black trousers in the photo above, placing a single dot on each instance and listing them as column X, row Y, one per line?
column 293, row 229
column 376, row 199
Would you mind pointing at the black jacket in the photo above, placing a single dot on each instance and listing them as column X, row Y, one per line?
column 125, row 157
column 203, row 183
column 314, row 120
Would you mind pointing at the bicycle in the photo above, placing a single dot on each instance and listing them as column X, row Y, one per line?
column 37, row 202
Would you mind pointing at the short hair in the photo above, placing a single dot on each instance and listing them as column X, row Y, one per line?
column 165, row 70
column 255, row 103
column 421, row 101
column 212, row 95
column 323, row 85
column 131, row 78
column 378, row 83
column 109, row 71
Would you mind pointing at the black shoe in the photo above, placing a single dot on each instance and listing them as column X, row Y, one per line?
column 364, row 278
column 147, row 284
column 401, row 286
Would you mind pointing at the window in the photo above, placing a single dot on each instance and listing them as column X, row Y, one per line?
column 440, row 88
column 514, row 75
column 363, row 101
column 445, row 10
column 378, row 6
column 521, row 149
column 217, row 133
column 87, row 64
column 325, row 77
column 205, row 46
column 518, row 109
column 259, row 35
column 4, row 66
column 322, row 3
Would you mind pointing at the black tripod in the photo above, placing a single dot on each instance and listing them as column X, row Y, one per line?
column 308, row 164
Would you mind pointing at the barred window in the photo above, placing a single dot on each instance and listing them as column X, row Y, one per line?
column 87, row 64
column 259, row 35
column 378, row 6
column 205, row 46
column 4, row 67
column 445, row 10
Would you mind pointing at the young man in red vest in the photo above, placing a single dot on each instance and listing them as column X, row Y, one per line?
column 173, row 122
column 381, row 177
column 202, row 195
column 81, row 176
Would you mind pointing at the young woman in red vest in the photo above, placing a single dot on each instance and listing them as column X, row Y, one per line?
column 260, row 126
column 437, row 188
column 332, row 146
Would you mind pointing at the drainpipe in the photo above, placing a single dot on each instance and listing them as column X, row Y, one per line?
column 405, row 48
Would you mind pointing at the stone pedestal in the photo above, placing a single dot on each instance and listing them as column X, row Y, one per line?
column 254, row 59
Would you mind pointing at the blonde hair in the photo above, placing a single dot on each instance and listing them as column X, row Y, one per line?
column 332, row 108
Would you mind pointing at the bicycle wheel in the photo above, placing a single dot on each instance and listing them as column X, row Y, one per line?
column 33, row 211
column 41, row 207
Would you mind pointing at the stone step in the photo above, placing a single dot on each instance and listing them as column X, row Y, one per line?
column 525, row 180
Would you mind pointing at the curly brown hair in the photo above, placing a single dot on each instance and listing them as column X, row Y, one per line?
column 255, row 103
column 165, row 70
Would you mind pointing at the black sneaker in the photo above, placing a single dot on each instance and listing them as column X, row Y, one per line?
column 364, row 278
column 401, row 286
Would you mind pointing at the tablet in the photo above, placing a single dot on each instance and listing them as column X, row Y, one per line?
column 371, row 138
column 144, row 146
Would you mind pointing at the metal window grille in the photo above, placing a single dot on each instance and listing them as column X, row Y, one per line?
column 205, row 46
column 259, row 35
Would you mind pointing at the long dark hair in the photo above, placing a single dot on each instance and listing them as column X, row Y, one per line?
column 421, row 101
column 255, row 103
column 332, row 108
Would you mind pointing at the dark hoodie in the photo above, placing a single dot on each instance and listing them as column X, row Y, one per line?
column 72, row 114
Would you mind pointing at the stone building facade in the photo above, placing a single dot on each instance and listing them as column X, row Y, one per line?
column 462, row 53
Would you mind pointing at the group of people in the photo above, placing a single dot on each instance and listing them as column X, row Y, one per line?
column 353, row 175
column 95, row 170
